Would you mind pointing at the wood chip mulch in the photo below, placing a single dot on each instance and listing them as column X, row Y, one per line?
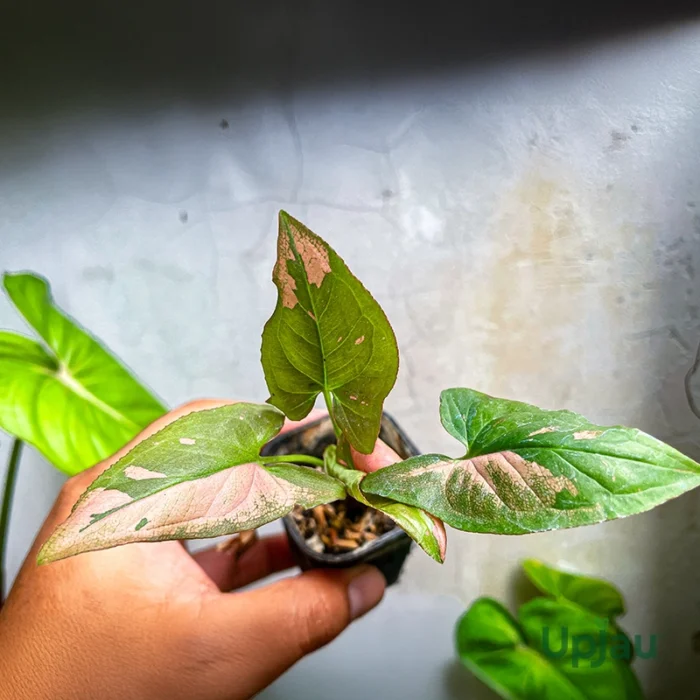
column 341, row 526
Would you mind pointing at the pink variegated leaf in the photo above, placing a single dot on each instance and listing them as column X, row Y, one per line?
column 326, row 336
column 201, row 476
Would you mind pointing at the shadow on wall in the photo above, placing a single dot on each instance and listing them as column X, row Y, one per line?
column 67, row 52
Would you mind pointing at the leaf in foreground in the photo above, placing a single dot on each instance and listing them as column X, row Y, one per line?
column 327, row 336
column 528, row 470
column 419, row 525
column 201, row 476
column 70, row 398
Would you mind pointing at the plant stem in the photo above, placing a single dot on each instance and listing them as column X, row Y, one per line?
column 8, row 492
column 297, row 459
column 329, row 405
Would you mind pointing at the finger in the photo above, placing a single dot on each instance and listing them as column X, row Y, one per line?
column 287, row 620
column 381, row 456
column 229, row 571
column 315, row 414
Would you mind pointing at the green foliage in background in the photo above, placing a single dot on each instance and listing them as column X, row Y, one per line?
column 63, row 392
column 563, row 646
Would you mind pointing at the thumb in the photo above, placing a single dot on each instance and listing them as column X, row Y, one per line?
column 382, row 456
column 272, row 628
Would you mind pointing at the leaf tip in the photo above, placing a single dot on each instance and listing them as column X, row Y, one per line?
column 48, row 553
column 10, row 277
column 440, row 535
column 530, row 564
column 286, row 219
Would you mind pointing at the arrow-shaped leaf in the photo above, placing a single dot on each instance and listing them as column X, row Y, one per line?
column 327, row 336
column 201, row 476
column 420, row 526
column 71, row 398
column 528, row 470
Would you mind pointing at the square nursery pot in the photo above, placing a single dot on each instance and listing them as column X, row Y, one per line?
column 389, row 550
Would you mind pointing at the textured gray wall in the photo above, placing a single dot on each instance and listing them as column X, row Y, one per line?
column 531, row 226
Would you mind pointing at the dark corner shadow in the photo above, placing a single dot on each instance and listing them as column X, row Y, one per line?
column 62, row 53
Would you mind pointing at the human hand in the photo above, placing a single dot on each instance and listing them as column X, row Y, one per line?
column 151, row 621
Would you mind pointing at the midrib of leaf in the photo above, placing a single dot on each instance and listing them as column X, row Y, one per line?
column 316, row 319
column 70, row 382
column 567, row 448
column 539, row 657
column 99, row 516
column 547, row 662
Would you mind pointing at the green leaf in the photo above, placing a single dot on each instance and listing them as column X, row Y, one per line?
column 588, row 649
column 492, row 645
column 416, row 523
column 555, row 651
column 593, row 594
column 71, row 399
column 201, row 476
column 326, row 336
column 528, row 470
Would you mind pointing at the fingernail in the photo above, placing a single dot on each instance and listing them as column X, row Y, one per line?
column 365, row 590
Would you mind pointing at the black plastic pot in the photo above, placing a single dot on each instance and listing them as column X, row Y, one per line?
column 389, row 551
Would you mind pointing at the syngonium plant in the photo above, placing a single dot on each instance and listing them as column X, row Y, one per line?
column 523, row 469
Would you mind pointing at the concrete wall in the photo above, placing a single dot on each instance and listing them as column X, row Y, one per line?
column 531, row 225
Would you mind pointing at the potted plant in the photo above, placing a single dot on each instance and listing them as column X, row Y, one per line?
column 350, row 531
column 523, row 469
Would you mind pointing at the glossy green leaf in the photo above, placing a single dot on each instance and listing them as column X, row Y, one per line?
column 492, row 645
column 554, row 651
column 201, row 476
column 69, row 398
column 588, row 649
column 593, row 594
column 420, row 526
column 327, row 336
column 528, row 470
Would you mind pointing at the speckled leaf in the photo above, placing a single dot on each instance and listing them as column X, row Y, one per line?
column 328, row 336
column 593, row 594
column 69, row 398
column 528, row 470
column 544, row 655
column 201, row 476
column 418, row 524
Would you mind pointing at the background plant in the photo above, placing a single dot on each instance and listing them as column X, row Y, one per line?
column 63, row 392
column 523, row 469
column 576, row 619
